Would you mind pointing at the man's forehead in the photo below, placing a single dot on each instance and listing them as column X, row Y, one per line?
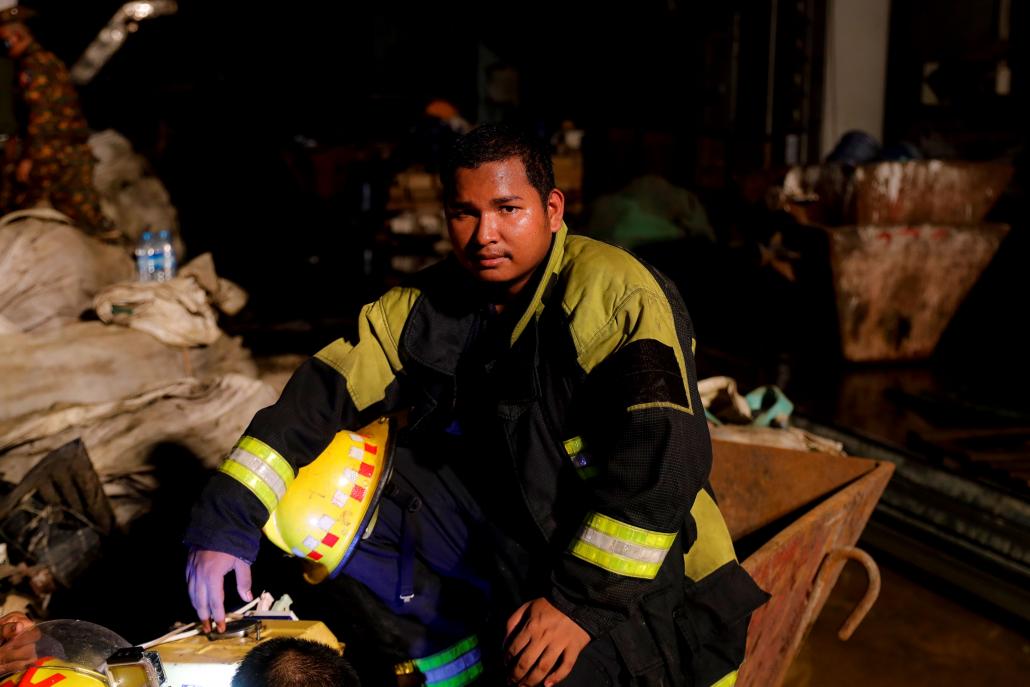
column 509, row 165
column 503, row 175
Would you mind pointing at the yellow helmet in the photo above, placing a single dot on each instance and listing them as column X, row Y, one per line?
column 53, row 671
column 82, row 647
column 333, row 499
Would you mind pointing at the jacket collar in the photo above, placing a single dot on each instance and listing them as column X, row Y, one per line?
column 437, row 343
column 543, row 287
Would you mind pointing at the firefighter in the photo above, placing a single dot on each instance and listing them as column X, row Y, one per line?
column 553, row 376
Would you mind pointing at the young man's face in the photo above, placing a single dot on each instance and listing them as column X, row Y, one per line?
column 500, row 227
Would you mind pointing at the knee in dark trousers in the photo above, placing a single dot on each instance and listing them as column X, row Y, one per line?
column 598, row 665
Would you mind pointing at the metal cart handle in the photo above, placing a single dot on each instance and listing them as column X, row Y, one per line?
column 831, row 566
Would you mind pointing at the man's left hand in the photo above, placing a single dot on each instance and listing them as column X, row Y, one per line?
column 543, row 644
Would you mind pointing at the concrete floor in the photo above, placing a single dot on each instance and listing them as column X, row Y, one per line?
column 912, row 637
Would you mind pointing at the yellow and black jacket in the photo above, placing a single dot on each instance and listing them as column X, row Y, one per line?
column 587, row 412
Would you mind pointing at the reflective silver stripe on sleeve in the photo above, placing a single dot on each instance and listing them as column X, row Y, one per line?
column 260, row 468
column 636, row 552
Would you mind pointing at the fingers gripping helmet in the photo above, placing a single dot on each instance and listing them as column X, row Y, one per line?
column 333, row 500
column 61, row 653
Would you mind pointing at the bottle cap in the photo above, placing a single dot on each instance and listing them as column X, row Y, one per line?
column 146, row 236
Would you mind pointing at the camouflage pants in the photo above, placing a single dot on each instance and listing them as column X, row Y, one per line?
column 67, row 182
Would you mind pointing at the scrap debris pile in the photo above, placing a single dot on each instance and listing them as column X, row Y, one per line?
column 760, row 417
column 99, row 371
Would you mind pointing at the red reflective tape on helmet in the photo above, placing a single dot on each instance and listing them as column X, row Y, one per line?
column 314, row 555
column 330, row 540
column 357, row 493
column 31, row 671
column 371, row 448
column 367, row 470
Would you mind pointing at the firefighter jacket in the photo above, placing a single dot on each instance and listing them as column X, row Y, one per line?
column 591, row 416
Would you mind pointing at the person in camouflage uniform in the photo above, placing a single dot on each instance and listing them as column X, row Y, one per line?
column 55, row 162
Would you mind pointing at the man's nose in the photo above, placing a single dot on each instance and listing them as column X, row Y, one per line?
column 486, row 232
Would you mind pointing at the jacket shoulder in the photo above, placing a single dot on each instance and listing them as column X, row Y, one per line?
column 589, row 265
column 397, row 303
column 599, row 282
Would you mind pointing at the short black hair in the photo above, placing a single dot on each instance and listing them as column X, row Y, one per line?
column 496, row 142
column 293, row 662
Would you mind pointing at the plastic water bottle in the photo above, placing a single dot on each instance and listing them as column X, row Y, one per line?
column 155, row 256
column 166, row 265
column 144, row 251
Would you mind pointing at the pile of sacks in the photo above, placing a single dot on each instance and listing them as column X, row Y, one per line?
column 88, row 353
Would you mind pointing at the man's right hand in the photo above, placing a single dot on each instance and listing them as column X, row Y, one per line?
column 18, row 637
column 205, row 572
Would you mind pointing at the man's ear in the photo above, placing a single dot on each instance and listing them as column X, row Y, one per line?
column 555, row 210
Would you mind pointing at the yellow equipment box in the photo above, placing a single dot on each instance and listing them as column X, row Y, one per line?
column 201, row 662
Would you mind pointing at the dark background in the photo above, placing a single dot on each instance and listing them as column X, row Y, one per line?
column 217, row 96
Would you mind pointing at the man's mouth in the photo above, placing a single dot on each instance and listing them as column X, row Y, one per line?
column 489, row 259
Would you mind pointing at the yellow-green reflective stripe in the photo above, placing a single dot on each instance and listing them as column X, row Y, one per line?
column 635, row 552
column 574, row 448
column 574, row 445
column 259, row 468
column 621, row 548
column 613, row 562
column 269, row 456
column 253, row 482
column 629, row 533
column 727, row 680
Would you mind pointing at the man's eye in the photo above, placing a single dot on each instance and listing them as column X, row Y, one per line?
column 509, row 209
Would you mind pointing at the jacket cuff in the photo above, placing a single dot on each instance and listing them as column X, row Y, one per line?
column 227, row 518
column 596, row 621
